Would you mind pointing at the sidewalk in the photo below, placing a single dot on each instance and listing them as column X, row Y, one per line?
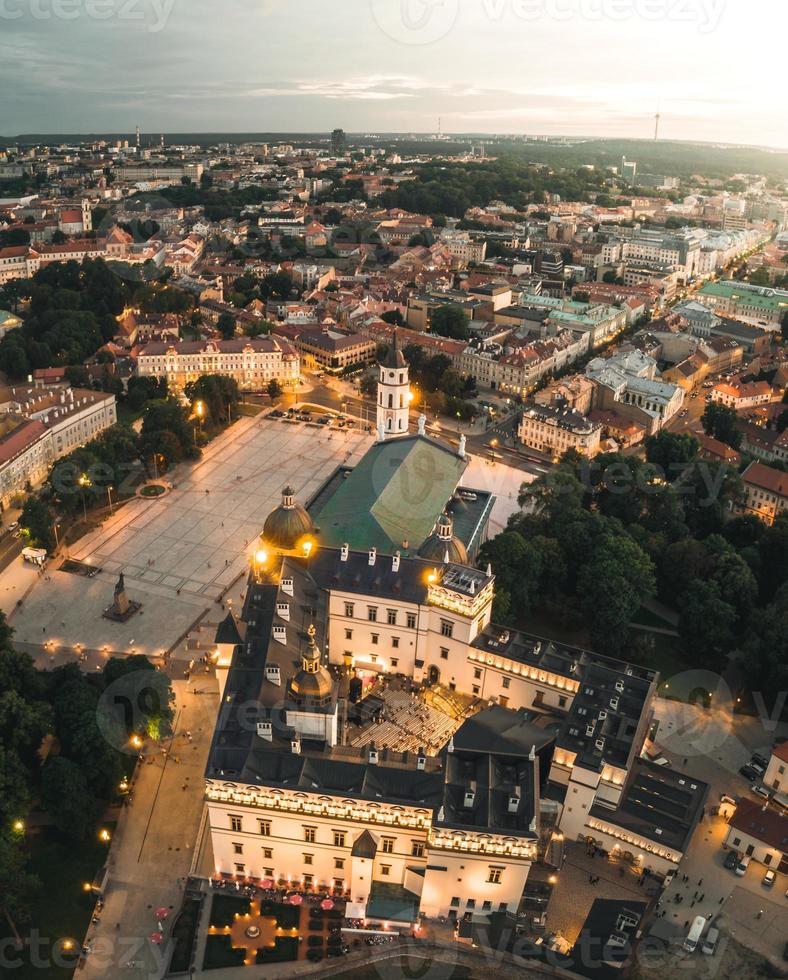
column 151, row 852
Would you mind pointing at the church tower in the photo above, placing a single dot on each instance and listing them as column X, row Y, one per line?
column 393, row 393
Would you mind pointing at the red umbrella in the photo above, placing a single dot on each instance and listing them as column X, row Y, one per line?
column 326, row 904
column 162, row 913
column 267, row 882
column 295, row 899
column 157, row 938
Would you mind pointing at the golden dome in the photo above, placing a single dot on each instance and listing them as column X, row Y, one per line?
column 312, row 685
column 442, row 542
column 286, row 525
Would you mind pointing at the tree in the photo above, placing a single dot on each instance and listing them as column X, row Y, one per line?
column 219, row 393
column 146, row 687
column 274, row 389
column 765, row 648
column 65, row 794
column 671, row 451
column 517, row 565
column 36, row 520
column 276, row 285
column 166, row 433
column 17, row 886
column 706, row 624
column 612, row 587
column 450, row 320
column 226, row 325
column 392, row 316
column 719, row 421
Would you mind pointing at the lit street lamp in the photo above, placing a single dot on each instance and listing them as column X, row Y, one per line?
column 109, row 495
column 84, row 481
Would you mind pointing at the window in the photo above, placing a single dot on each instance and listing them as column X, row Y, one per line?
column 391, row 617
column 444, row 653
column 736, row 841
column 385, row 870
column 447, row 628
column 503, row 906
column 339, row 864
column 417, row 849
column 308, row 881
column 477, row 674
column 506, row 681
column 395, row 642
column 308, row 858
column 455, row 902
column 375, row 638
column 486, row 906
column 240, row 869
column 339, row 838
column 471, row 903
column 238, row 848
column 372, row 614
column 349, row 610
column 411, row 621
column 475, row 689
column 339, row 884
column 562, row 701
column 236, row 823
column 388, row 845
column 268, row 872
column 494, row 877
column 348, row 634
column 265, row 828
column 268, row 854
column 309, row 835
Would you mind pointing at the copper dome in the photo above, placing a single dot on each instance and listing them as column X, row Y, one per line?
column 286, row 525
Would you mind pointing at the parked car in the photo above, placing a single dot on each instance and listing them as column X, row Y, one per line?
column 760, row 760
column 731, row 860
column 693, row 936
column 757, row 767
column 709, row 946
column 749, row 773
column 724, row 798
column 769, row 878
column 761, row 790
column 741, row 867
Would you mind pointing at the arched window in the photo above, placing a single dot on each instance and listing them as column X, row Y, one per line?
column 401, row 424
column 391, row 401
column 389, row 425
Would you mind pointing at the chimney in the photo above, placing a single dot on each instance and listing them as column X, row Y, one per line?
column 373, row 554
column 372, row 754
column 395, row 562
column 514, row 800
column 344, row 551
column 470, row 795
column 295, row 744
column 421, row 760
column 265, row 730
column 532, row 754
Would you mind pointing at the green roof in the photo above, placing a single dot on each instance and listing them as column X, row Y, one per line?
column 393, row 902
column 395, row 494
column 743, row 295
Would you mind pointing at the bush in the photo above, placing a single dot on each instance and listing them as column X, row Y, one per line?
column 314, row 941
column 314, row 955
column 225, row 908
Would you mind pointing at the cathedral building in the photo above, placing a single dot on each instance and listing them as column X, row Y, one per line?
column 374, row 578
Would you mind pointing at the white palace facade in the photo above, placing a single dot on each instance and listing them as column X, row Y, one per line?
column 303, row 786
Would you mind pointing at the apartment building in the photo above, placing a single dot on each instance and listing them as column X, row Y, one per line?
column 40, row 425
column 766, row 492
column 555, row 429
column 252, row 362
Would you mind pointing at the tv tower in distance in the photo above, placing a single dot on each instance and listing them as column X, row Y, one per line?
column 656, row 124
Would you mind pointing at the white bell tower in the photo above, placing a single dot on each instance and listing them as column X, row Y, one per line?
column 393, row 393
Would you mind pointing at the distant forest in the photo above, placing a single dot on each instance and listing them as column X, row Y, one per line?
column 674, row 158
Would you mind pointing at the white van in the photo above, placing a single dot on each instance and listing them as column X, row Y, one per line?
column 696, row 929
column 709, row 946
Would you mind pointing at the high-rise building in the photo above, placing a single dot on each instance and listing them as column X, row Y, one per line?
column 338, row 142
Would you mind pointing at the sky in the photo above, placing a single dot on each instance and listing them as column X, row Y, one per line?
column 557, row 67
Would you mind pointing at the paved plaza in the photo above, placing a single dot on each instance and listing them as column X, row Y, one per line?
column 181, row 553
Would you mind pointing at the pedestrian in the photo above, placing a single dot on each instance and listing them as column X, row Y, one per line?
column 760, row 914
column 703, row 895
column 721, row 900
column 686, row 923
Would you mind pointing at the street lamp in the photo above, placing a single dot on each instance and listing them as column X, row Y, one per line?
column 109, row 495
column 84, row 481
column 199, row 409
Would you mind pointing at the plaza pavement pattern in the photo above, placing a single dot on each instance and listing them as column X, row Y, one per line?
column 181, row 553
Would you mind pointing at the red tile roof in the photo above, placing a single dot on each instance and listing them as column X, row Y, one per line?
column 764, row 824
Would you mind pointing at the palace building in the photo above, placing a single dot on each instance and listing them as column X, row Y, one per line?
column 381, row 739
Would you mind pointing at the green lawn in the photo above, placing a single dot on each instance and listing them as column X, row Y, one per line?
column 62, row 909
column 286, row 949
column 127, row 415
